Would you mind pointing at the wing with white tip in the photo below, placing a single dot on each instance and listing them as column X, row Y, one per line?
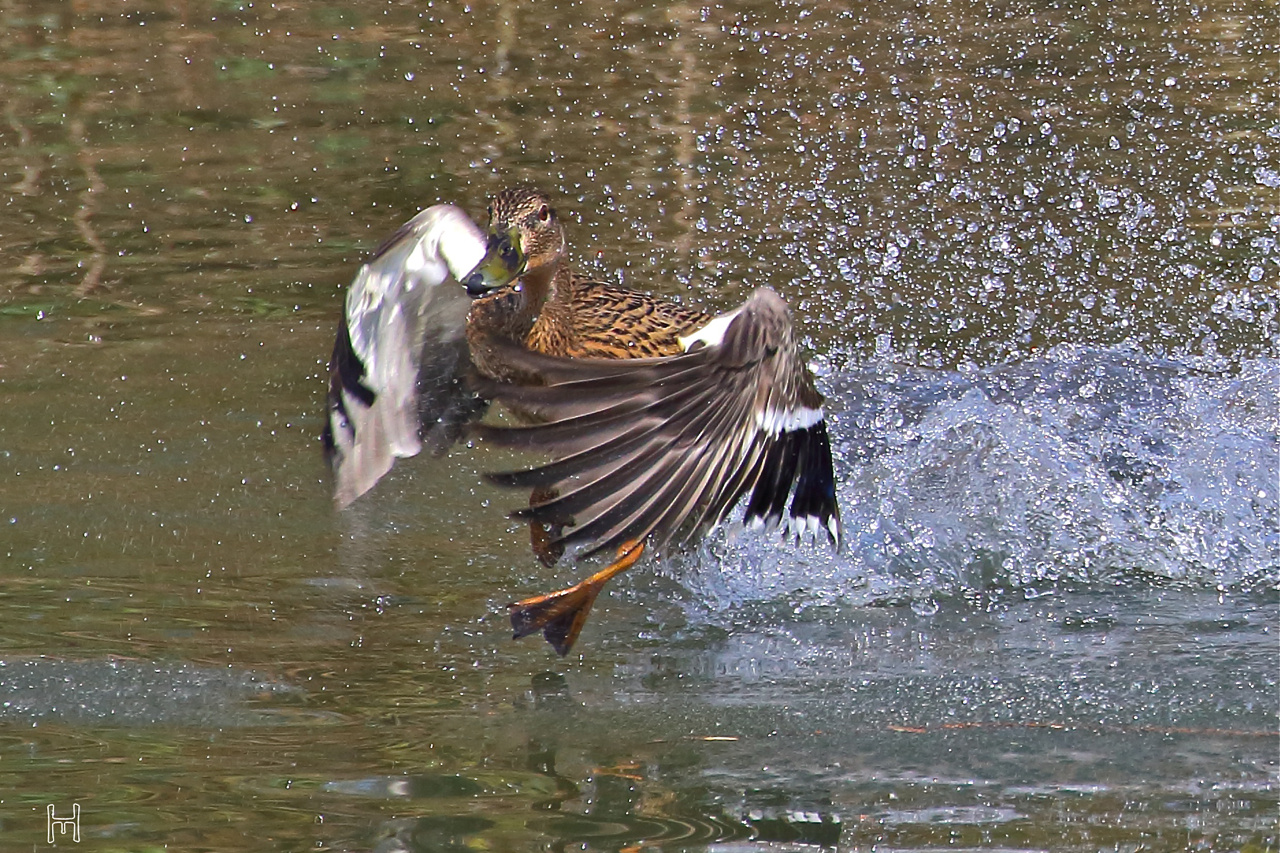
column 662, row 448
column 400, row 357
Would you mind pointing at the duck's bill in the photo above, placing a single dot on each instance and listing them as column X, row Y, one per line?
column 502, row 263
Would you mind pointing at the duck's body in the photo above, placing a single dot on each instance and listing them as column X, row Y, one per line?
column 597, row 320
column 550, row 309
column 658, row 417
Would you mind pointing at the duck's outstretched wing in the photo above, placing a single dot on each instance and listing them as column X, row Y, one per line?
column 400, row 357
column 663, row 448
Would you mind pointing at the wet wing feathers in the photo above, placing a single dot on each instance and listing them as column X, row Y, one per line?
column 638, row 453
column 380, row 388
column 651, row 493
column 664, row 447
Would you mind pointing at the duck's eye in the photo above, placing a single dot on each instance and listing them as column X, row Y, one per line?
column 544, row 213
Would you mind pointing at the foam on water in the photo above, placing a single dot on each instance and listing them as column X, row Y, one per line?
column 1081, row 466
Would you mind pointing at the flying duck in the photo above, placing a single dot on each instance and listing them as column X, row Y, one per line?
column 656, row 418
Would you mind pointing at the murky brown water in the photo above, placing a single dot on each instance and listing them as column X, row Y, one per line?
column 1034, row 249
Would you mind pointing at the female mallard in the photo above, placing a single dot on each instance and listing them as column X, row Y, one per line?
column 657, row 417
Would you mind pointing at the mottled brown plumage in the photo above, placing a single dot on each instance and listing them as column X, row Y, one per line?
column 552, row 310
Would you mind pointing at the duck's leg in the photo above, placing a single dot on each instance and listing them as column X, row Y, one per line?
column 543, row 534
column 561, row 615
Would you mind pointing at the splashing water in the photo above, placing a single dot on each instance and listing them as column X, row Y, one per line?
column 1080, row 466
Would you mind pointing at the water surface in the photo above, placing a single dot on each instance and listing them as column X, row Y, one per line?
column 1032, row 251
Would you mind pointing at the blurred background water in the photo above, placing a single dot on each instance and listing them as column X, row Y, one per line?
column 1033, row 253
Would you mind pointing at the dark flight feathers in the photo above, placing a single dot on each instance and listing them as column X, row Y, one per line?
column 665, row 447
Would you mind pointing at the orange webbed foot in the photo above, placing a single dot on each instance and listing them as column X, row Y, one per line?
column 560, row 615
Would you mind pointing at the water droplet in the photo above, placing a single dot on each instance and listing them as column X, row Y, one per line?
column 928, row 607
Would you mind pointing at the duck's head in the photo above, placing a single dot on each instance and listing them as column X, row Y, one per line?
column 526, row 242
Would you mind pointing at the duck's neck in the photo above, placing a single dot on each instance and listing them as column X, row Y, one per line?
column 539, row 298
column 552, row 331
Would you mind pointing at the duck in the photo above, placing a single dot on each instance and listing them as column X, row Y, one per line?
column 656, row 418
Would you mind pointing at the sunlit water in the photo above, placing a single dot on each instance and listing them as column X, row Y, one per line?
column 1080, row 466
column 1032, row 250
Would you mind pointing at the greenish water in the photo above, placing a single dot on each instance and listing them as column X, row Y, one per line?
column 1033, row 249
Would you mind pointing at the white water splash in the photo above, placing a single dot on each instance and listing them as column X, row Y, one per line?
column 1082, row 466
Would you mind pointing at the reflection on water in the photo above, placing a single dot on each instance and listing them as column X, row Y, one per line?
column 1034, row 250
